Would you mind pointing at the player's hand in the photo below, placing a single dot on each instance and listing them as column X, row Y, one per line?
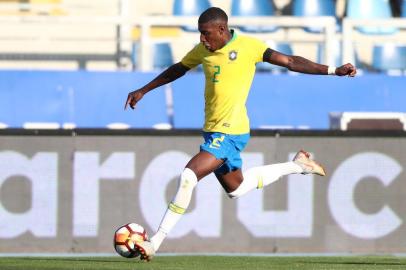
column 346, row 70
column 133, row 98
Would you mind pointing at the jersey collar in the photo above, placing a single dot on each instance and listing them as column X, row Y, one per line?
column 234, row 36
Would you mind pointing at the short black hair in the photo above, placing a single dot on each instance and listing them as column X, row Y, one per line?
column 213, row 14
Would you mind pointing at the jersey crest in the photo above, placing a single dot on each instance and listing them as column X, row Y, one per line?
column 232, row 55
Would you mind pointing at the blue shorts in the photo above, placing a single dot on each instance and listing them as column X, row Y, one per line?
column 226, row 147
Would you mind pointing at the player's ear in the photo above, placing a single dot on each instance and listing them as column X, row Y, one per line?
column 222, row 28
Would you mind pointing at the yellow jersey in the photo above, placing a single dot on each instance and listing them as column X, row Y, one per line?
column 229, row 72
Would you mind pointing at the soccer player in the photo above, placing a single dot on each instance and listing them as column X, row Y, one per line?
column 228, row 62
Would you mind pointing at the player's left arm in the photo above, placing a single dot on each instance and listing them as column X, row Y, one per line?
column 303, row 65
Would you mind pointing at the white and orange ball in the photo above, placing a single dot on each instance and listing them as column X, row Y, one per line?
column 126, row 237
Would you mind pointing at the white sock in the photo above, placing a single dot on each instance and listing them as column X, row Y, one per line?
column 259, row 177
column 177, row 207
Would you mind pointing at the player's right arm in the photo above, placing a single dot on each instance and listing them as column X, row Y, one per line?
column 170, row 74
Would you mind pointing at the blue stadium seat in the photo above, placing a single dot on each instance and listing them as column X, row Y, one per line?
column 389, row 57
column 162, row 55
column 248, row 8
column 311, row 8
column 403, row 9
column 190, row 8
column 284, row 48
column 371, row 9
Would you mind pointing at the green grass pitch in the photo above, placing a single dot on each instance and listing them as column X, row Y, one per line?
column 204, row 262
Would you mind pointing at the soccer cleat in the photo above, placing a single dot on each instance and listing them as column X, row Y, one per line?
column 146, row 250
column 308, row 165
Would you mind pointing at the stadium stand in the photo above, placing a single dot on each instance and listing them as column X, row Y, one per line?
column 308, row 8
column 162, row 55
column 314, row 8
column 66, row 35
column 259, row 8
column 374, row 26
column 33, row 7
column 92, row 36
column 189, row 8
column 370, row 9
column 337, row 53
column 84, row 35
column 389, row 57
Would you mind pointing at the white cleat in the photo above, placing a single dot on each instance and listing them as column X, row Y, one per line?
column 146, row 250
column 308, row 165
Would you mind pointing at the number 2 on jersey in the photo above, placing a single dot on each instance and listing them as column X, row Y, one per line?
column 217, row 72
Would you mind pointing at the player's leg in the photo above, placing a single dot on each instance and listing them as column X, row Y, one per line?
column 206, row 161
column 203, row 164
column 198, row 167
column 237, row 183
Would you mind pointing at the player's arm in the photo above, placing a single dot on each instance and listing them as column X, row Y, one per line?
column 170, row 74
column 303, row 65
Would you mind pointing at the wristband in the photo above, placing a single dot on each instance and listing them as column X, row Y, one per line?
column 331, row 70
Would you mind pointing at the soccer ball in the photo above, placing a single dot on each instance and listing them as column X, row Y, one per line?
column 126, row 237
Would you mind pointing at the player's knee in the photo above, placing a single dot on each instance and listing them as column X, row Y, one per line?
column 236, row 193
column 239, row 191
column 246, row 184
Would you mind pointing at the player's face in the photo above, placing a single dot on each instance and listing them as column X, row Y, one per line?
column 212, row 35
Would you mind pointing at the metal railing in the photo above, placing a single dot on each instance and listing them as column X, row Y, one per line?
column 326, row 36
column 122, row 38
